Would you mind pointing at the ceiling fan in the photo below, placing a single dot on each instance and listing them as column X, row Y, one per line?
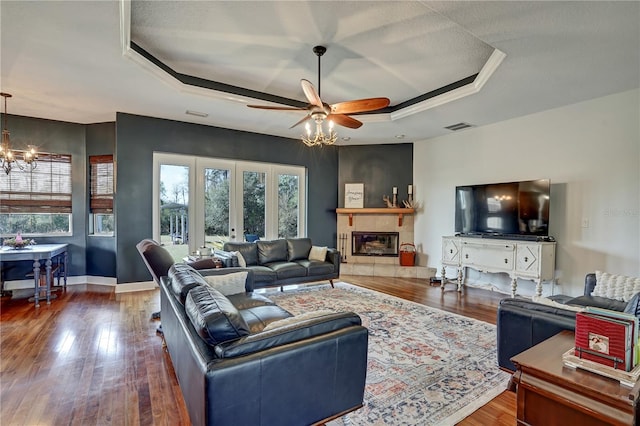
column 320, row 111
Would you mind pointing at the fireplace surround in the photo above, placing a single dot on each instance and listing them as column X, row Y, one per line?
column 378, row 220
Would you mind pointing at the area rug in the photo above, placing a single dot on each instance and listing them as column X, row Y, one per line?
column 425, row 366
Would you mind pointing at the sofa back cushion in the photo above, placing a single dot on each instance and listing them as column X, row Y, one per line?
column 249, row 251
column 213, row 316
column 298, row 248
column 183, row 278
column 271, row 251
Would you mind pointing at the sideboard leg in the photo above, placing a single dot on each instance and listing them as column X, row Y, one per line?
column 539, row 288
column 514, row 286
column 444, row 277
column 460, row 280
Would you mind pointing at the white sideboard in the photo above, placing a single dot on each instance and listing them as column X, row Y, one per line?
column 529, row 260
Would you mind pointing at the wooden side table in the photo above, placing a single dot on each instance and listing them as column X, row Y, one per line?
column 549, row 393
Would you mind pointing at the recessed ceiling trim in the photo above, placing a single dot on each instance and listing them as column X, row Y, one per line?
column 196, row 85
column 469, row 89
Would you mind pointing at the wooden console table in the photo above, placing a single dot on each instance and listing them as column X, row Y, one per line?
column 549, row 393
column 528, row 260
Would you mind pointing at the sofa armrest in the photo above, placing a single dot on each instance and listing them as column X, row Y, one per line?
column 287, row 334
column 333, row 256
column 522, row 324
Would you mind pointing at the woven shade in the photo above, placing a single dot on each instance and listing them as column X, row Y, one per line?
column 101, row 183
column 46, row 189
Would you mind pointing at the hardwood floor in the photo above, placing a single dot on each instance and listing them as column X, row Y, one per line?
column 93, row 357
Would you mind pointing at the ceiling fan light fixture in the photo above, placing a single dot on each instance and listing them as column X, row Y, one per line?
column 320, row 137
column 320, row 112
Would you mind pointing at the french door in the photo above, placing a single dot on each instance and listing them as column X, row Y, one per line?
column 231, row 201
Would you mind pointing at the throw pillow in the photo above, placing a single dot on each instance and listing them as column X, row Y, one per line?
column 318, row 253
column 549, row 302
column 619, row 287
column 241, row 262
column 228, row 284
column 297, row 319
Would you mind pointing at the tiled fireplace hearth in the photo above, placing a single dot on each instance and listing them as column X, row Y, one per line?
column 371, row 239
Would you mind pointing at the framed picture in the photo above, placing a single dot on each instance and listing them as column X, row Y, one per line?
column 354, row 195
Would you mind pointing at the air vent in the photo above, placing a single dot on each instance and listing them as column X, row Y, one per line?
column 196, row 113
column 458, row 126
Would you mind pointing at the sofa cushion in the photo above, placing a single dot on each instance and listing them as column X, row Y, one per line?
column 598, row 302
column 183, row 278
column 213, row 316
column 262, row 274
column 249, row 251
column 272, row 251
column 297, row 319
column 283, row 335
column 259, row 317
column 316, row 267
column 619, row 287
column 298, row 248
column 286, row 270
column 318, row 253
column 228, row 284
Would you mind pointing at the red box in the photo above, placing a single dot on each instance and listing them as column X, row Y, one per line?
column 604, row 340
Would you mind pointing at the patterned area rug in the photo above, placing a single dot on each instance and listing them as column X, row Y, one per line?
column 425, row 366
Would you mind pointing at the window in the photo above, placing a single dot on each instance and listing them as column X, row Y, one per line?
column 37, row 202
column 232, row 201
column 101, row 196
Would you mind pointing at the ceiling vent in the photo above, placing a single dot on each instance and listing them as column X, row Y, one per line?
column 458, row 126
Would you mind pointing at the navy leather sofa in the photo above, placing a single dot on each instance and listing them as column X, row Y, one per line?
column 522, row 323
column 233, row 372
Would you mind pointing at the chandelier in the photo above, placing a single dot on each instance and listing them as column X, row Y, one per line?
column 320, row 138
column 8, row 159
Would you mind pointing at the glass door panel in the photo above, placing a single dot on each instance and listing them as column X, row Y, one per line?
column 288, row 211
column 174, row 209
column 217, row 201
column 253, row 204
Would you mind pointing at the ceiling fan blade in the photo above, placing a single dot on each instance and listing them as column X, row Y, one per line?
column 344, row 120
column 310, row 93
column 305, row 118
column 361, row 105
column 276, row 108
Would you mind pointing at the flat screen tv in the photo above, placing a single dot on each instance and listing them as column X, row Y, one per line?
column 503, row 209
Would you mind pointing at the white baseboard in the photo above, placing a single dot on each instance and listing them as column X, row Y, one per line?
column 139, row 286
column 76, row 280
column 88, row 279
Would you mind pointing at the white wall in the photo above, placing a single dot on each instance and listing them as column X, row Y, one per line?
column 590, row 152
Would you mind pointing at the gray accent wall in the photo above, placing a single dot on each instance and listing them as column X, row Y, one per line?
column 62, row 138
column 101, row 249
column 133, row 140
column 380, row 168
column 137, row 137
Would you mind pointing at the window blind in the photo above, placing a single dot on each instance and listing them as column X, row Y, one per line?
column 45, row 189
column 101, row 183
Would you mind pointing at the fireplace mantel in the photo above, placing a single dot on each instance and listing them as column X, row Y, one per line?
column 369, row 210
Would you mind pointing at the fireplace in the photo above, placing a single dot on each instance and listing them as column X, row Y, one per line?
column 374, row 244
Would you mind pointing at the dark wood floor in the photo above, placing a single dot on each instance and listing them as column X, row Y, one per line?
column 93, row 357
